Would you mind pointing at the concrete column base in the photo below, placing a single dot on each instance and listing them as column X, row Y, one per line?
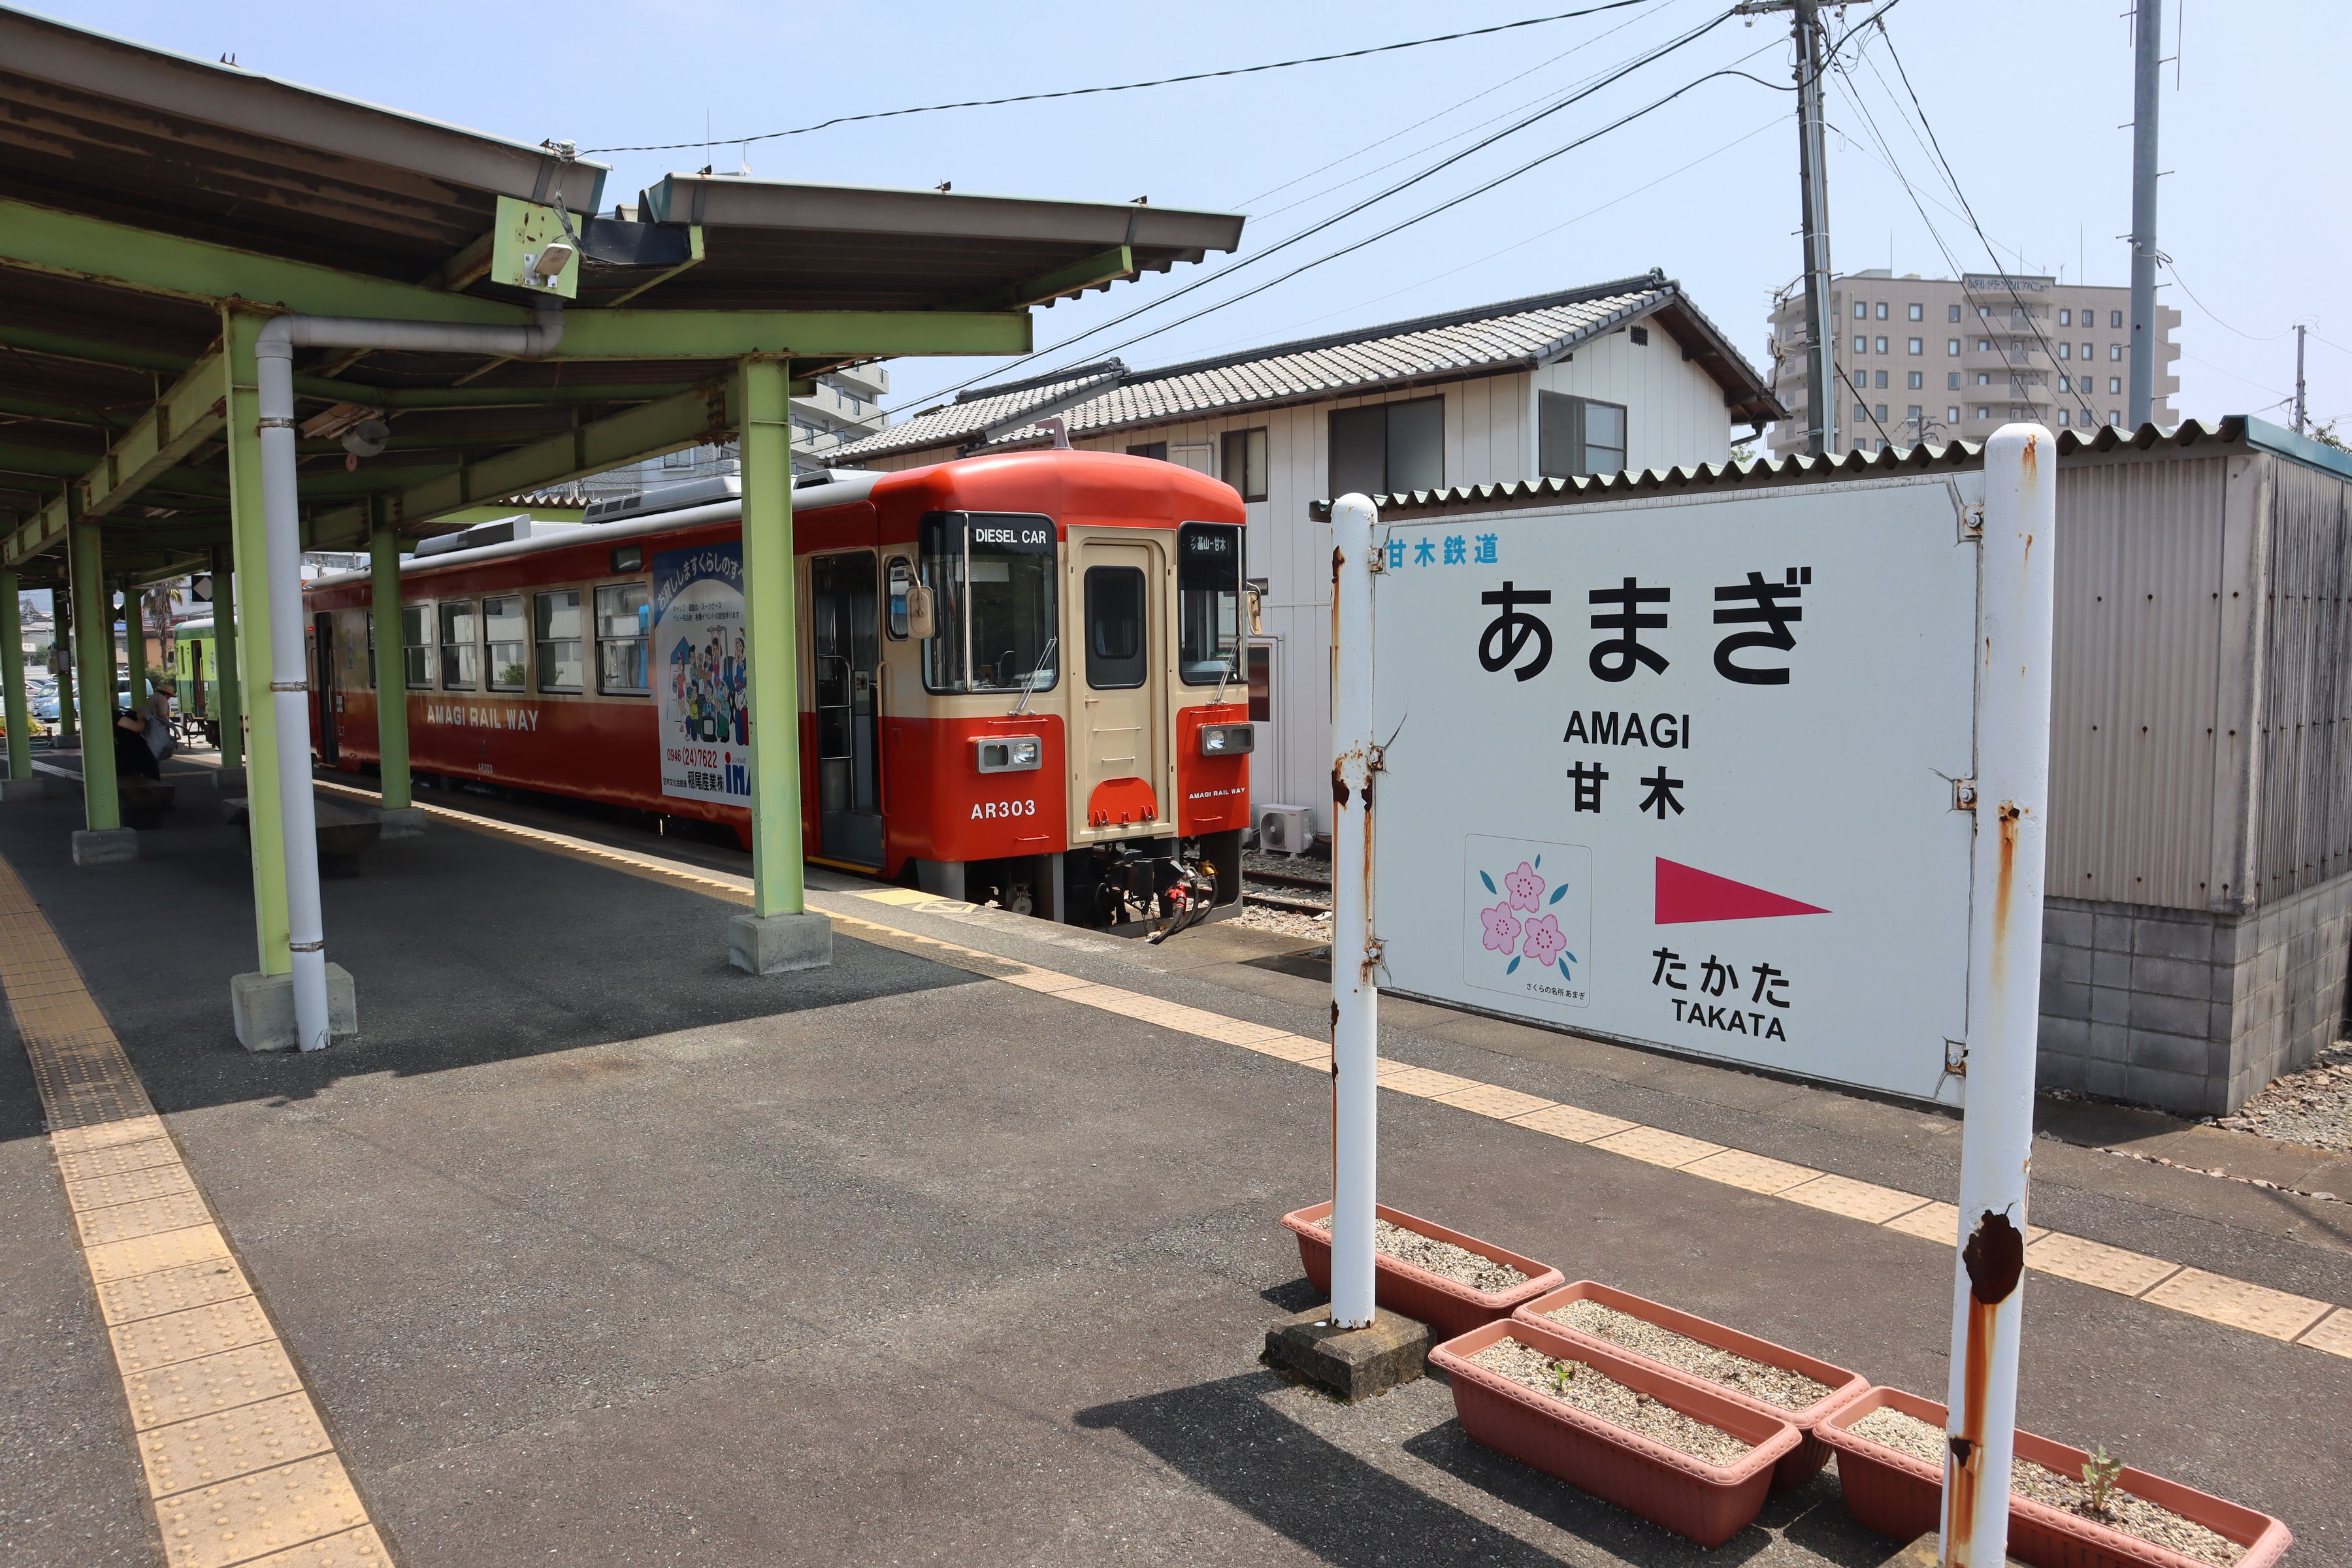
column 263, row 1005
column 229, row 781
column 105, row 845
column 775, row 944
column 401, row 821
column 1351, row 1363
column 22, row 789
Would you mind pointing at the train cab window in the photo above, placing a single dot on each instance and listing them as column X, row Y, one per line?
column 624, row 614
column 1115, row 654
column 506, row 634
column 991, row 580
column 457, row 648
column 557, row 627
column 416, row 645
column 1208, row 601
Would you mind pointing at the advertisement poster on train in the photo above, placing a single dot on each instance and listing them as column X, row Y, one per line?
column 701, row 678
column 1684, row 772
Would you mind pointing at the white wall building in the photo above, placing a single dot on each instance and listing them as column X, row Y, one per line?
column 1619, row 375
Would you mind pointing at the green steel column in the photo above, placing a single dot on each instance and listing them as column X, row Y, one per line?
column 94, row 631
column 228, row 702
column 264, row 811
column 767, row 448
column 391, row 665
column 12, row 671
column 61, row 634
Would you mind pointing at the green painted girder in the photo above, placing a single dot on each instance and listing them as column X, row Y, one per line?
column 1104, row 266
column 72, row 245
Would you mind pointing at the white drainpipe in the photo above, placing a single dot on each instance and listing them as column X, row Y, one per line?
column 282, row 537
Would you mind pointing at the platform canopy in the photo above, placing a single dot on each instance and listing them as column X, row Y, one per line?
column 149, row 200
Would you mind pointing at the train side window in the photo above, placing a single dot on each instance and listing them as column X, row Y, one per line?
column 558, row 626
column 416, row 645
column 506, row 633
column 1115, row 630
column 1208, row 601
column 991, row 576
column 623, row 616
column 457, row 647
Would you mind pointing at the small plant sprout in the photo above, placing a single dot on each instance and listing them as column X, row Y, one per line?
column 2100, row 1474
column 1563, row 1372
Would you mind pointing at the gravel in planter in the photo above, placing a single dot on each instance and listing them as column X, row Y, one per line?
column 1756, row 1379
column 2135, row 1516
column 1442, row 1258
column 1598, row 1394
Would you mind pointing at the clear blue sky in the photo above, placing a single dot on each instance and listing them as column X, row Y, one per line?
column 2029, row 100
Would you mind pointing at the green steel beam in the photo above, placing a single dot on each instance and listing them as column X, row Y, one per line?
column 391, row 665
column 231, row 707
column 807, row 334
column 693, row 259
column 183, row 418
column 94, row 654
column 765, row 402
column 1104, row 266
column 12, row 680
column 264, row 813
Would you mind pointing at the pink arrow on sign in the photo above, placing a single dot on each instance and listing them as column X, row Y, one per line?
column 1686, row 894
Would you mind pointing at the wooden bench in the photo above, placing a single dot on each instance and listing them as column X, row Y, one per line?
column 344, row 833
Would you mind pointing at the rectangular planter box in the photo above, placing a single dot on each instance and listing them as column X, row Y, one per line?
column 1903, row 1498
column 1802, row 1462
column 1708, row 1503
column 1449, row 1309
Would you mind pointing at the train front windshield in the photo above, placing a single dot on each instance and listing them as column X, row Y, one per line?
column 992, row 577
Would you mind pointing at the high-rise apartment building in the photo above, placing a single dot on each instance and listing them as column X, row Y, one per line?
column 1941, row 359
column 844, row 406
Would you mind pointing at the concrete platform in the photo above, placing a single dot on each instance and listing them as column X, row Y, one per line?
column 589, row 1251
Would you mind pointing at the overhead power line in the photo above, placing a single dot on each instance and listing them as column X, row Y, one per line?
column 1128, row 86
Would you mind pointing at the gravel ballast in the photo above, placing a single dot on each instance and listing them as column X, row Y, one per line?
column 1442, row 1259
column 2313, row 1106
column 1597, row 1394
column 2135, row 1516
column 1757, row 1380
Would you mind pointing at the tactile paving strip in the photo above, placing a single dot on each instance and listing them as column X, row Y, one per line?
column 2255, row 1308
column 238, row 1461
column 2071, row 1258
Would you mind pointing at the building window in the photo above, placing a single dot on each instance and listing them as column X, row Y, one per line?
column 1984, row 312
column 1388, row 449
column 1952, row 312
column 1952, row 346
column 1952, row 415
column 1860, row 414
column 1862, row 345
column 2066, row 350
column 1984, row 345
column 457, row 648
column 1917, row 381
column 1882, row 345
column 1952, row 381
column 1881, row 380
column 2087, row 353
column 1984, row 378
column 1983, row 413
column 2115, row 386
column 1882, row 309
column 507, row 636
column 2114, row 415
column 1861, row 311
column 2115, row 350
column 1577, row 436
column 1915, row 414
column 1150, row 449
column 2062, row 419
column 1917, row 346
column 1261, row 683
column 2066, row 318
column 1244, row 462
column 1919, row 313
column 558, row 635
column 2063, row 386
column 2115, row 317
column 416, row 646
column 1881, row 411
column 623, row 616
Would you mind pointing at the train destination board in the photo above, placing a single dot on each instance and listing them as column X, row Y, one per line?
column 1683, row 771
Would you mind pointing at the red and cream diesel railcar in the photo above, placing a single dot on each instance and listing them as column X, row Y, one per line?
column 1017, row 676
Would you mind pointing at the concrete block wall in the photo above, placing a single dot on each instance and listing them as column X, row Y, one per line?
column 2186, row 1010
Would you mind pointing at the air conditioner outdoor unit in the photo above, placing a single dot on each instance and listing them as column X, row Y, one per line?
column 1284, row 829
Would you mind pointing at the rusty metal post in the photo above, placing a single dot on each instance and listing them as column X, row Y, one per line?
column 1355, row 999
column 2014, row 601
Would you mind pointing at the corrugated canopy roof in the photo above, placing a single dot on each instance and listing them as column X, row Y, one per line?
column 1485, row 339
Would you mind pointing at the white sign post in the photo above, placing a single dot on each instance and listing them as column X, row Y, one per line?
column 1355, row 999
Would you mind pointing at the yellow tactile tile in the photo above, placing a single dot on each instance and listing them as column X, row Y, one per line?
column 1656, row 1146
column 1041, row 980
column 1856, row 1200
column 1572, row 1122
column 268, row 1512
column 2218, row 1298
column 187, row 1389
column 148, row 1216
column 151, row 1343
column 1941, row 1222
column 1291, row 1048
column 1755, row 1172
column 231, row 1443
column 119, row 1158
column 151, row 1295
column 1427, row 1083
column 908, row 897
column 1234, row 1031
column 106, row 1135
column 2095, row 1263
column 145, row 1254
column 2332, row 1334
column 361, row 1547
column 104, row 1190
column 1491, row 1099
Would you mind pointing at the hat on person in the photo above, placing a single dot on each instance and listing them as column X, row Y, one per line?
column 165, row 683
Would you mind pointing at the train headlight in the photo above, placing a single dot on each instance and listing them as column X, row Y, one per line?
column 1227, row 740
column 1009, row 753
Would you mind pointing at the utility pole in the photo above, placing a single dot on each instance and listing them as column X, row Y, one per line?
column 2298, row 378
column 2146, row 40
column 1812, row 181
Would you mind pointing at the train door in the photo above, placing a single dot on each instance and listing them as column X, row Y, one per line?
column 326, row 696
column 846, row 664
column 1119, row 761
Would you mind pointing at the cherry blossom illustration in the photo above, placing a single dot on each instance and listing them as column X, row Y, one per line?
column 1502, row 928
column 1546, row 942
column 1527, row 888
column 1546, row 945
